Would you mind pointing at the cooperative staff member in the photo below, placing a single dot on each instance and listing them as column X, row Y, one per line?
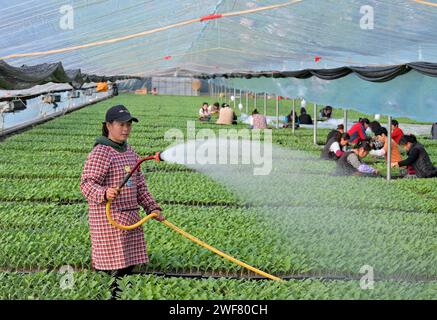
column 418, row 158
column 350, row 162
column 358, row 131
column 113, row 250
column 381, row 136
column 334, row 148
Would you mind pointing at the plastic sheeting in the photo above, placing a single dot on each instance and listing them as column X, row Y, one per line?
column 37, row 110
column 35, row 26
column 411, row 95
column 134, row 84
column 6, row 95
column 306, row 34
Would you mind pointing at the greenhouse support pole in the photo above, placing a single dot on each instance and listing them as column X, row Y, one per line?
column 277, row 112
column 345, row 120
column 228, row 97
column 241, row 92
column 315, row 123
column 389, row 149
column 235, row 97
column 254, row 103
column 3, row 122
column 265, row 104
column 41, row 108
column 247, row 102
column 293, row 121
column 229, row 92
column 69, row 103
column 222, row 94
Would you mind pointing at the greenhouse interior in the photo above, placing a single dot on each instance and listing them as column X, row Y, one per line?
column 218, row 150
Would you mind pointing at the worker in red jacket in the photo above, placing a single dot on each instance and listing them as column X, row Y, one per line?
column 358, row 131
column 396, row 132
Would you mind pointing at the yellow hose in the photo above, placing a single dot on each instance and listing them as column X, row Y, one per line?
column 120, row 226
column 190, row 237
column 220, row 253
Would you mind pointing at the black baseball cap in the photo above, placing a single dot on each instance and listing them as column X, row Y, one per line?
column 119, row 113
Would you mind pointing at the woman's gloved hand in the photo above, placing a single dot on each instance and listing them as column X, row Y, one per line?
column 159, row 216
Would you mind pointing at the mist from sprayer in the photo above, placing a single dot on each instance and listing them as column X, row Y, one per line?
column 336, row 223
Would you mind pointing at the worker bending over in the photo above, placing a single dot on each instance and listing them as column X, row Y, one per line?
column 350, row 163
column 418, row 158
column 381, row 136
column 334, row 148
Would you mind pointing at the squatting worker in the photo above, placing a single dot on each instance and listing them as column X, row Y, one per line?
column 418, row 163
column 113, row 250
column 335, row 147
column 350, row 162
column 382, row 136
column 358, row 131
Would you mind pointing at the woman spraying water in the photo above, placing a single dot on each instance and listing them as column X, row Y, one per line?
column 119, row 245
column 116, row 251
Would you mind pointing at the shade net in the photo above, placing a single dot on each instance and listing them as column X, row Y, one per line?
column 411, row 95
column 142, row 38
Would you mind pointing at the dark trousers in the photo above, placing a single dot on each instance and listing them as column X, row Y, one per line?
column 117, row 274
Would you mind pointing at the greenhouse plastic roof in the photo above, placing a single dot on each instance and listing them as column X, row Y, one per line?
column 144, row 38
column 304, row 34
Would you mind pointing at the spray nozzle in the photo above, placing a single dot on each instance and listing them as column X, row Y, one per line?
column 156, row 157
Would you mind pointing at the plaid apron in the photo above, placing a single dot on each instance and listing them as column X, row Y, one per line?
column 113, row 248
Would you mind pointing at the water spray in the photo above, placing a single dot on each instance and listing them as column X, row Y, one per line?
column 157, row 157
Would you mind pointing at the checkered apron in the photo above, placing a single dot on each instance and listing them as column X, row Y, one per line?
column 113, row 248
